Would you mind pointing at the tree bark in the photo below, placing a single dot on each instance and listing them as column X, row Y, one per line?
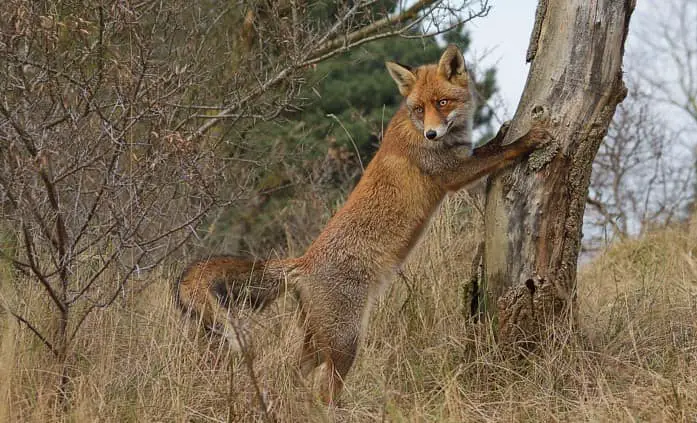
column 534, row 211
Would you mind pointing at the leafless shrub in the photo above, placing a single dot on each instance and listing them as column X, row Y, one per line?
column 95, row 185
column 666, row 55
column 642, row 174
column 664, row 62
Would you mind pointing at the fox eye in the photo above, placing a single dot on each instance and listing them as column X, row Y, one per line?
column 442, row 102
column 418, row 109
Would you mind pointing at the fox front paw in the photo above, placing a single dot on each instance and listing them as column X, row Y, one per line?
column 538, row 136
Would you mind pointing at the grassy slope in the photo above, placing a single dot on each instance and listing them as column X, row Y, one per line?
column 632, row 359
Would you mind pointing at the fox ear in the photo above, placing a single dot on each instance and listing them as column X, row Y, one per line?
column 451, row 63
column 402, row 75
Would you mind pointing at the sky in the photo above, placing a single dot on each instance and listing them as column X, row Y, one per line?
column 501, row 39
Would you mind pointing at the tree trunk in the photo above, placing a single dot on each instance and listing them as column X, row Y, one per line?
column 534, row 211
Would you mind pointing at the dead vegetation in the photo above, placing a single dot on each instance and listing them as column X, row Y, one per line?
column 631, row 358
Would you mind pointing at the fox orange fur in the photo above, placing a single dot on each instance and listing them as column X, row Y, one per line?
column 425, row 153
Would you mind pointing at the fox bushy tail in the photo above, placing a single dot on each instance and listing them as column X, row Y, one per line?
column 214, row 290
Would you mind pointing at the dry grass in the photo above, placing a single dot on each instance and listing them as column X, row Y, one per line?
column 633, row 357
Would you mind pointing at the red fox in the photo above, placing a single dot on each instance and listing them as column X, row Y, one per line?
column 425, row 153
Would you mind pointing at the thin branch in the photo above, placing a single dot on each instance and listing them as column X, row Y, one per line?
column 600, row 207
column 376, row 26
column 36, row 332
column 37, row 272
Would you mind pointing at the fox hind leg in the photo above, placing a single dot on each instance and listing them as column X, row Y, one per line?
column 333, row 322
column 332, row 347
column 333, row 352
column 309, row 356
column 339, row 357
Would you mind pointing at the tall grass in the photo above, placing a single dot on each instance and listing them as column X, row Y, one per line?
column 632, row 357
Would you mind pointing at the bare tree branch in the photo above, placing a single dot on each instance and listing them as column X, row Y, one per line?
column 36, row 332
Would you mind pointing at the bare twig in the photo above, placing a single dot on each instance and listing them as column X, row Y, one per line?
column 36, row 332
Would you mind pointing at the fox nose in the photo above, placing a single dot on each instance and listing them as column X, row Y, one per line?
column 431, row 134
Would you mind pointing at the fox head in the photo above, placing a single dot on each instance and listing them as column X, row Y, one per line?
column 438, row 98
